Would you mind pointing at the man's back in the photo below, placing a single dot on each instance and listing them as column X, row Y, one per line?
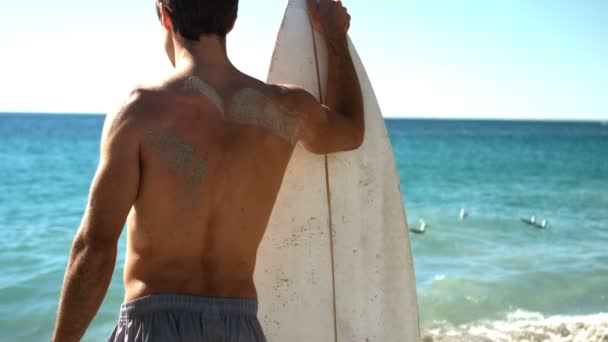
column 194, row 166
column 212, row 163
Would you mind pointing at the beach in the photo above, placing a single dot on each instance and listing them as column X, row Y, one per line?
column 489, row 277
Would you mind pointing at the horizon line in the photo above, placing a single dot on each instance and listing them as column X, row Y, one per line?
column 413, row 117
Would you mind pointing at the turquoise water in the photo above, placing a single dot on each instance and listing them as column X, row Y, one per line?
column 480, row 269
column 491, row 264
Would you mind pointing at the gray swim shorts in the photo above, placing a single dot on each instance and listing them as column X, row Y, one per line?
column 187, row 318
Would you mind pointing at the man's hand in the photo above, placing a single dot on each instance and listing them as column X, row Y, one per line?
column 338, row 124
column 330, row 18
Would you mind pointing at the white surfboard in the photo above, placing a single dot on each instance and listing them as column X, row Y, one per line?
column 335, row 263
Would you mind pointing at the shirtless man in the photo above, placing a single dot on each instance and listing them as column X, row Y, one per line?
column 194, row 165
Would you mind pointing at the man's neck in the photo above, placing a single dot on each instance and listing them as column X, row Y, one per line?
column 208, row 52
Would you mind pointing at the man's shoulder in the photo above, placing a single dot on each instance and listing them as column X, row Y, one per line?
column 142, row 105
column 290, row 95
column 144, row 102
column 151, row 98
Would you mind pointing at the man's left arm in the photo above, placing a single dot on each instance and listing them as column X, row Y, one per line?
column 93, row 255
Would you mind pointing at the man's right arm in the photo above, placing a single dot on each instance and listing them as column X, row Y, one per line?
column 338, row 125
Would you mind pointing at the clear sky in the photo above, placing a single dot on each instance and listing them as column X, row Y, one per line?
column 426, row 58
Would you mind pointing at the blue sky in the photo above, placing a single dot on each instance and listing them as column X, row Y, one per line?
column 519, row 59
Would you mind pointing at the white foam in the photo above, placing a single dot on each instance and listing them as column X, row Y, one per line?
column 526, row 326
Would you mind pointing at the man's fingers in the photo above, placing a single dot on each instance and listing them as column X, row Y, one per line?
column 312, row 6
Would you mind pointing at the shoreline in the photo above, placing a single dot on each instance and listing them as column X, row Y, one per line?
column 524, row 326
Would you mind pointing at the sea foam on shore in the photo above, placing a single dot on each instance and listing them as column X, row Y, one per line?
column 524, row 326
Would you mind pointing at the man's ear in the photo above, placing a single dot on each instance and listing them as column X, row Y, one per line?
column 165, row 19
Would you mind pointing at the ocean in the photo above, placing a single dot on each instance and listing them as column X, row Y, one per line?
column 476, row 272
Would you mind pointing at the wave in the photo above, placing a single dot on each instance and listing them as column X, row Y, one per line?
column 460, row 301
column 524, row 326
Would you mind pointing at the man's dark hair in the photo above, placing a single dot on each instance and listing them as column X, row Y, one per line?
column 193, row 18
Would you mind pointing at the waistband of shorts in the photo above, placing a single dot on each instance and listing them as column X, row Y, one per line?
column 185, row 303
